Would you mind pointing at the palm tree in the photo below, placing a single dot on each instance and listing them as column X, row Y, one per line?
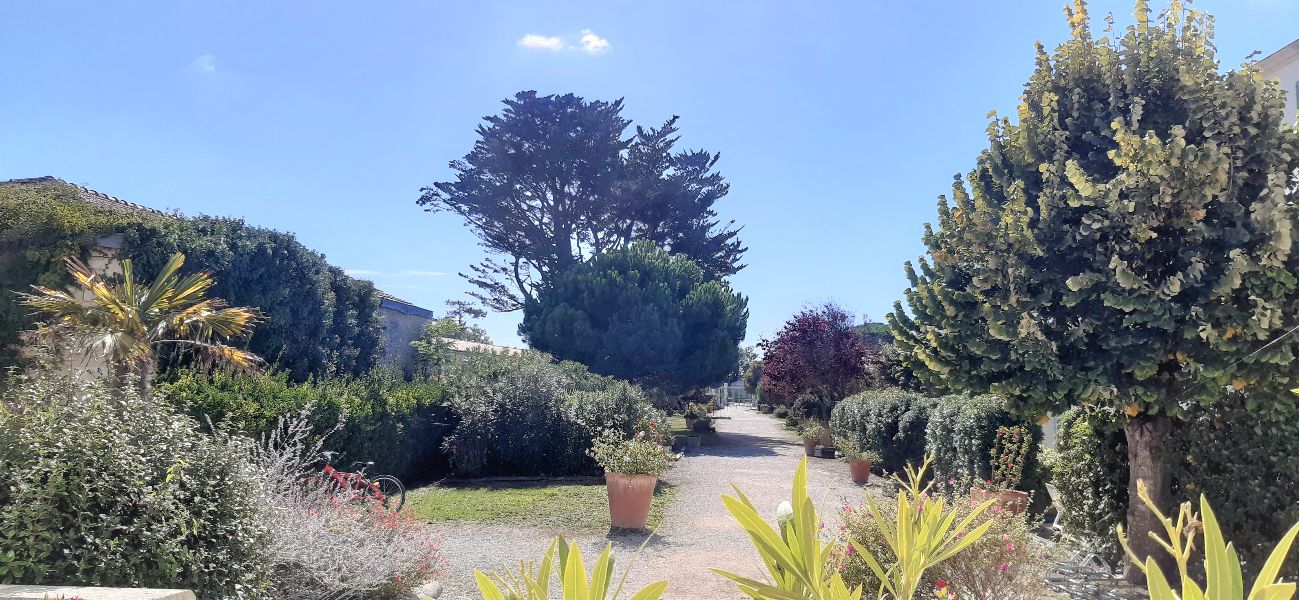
column 128, row 321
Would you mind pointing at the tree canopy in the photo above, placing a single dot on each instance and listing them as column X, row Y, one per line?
column 641, row 314
column 817, row 358
column 555, row 180
column 1127, row 243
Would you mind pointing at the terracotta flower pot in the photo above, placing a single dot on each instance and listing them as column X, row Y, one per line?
column 827, row 439
column 809, row 446
column 1012, row 500
column 859, row 469
column 690, row 424
column 629, row 499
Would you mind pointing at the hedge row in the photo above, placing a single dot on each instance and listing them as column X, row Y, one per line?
column 1246, row 466
column 488, row 415
column 398, row 425
column 320, row 322
column 957, row 431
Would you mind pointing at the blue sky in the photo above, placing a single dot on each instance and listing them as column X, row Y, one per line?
column 838, row 123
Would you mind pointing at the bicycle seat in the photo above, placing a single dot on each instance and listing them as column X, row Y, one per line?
column 367, row 464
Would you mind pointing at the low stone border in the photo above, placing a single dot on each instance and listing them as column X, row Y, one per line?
column 57, row 592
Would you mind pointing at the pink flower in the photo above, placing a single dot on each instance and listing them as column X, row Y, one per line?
column 951, row 481
column 1010, row 547
column 1003, row 567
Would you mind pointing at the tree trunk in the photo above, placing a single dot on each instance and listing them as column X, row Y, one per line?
column 1148, row 439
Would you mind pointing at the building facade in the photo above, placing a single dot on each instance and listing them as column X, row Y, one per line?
column 1283, row 66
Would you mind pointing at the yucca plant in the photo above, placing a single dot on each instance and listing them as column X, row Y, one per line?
column 129, row 321
column 532, row 581
column 1222, row 572
column 923, row 534
column 795, row 556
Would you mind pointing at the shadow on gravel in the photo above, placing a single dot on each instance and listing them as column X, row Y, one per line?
column 742, row 445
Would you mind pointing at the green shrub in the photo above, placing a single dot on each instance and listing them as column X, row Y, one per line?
column 396, row 424
column 1246, row 462
column 781, row 412
column 1214, row 451
column 888, row 421
column 525, row 414
column 109, row 489
column 1091, row 472
column 320, row 322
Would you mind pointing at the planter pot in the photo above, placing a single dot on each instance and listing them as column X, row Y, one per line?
column 827, row 439
column 809, row 446
column 690, row 424
column 766, row 410
column 692, row 442
column 701, row 425
column 1012, row 500
column 629, row 499
column 860, row 470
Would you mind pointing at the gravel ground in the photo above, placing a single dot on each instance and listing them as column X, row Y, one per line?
column 754, row 451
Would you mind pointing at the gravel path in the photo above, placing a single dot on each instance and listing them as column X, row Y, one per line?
column 754, row 451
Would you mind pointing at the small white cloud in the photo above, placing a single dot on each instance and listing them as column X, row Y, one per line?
column 541, row 42
column 592, row 43
column 204, row 64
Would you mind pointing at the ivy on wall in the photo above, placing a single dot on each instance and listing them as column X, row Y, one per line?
column 319, row 320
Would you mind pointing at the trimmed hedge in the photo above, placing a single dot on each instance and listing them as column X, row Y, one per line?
column 527, row 415
column 397, row 424
column 888, row 421
column 1091, row 472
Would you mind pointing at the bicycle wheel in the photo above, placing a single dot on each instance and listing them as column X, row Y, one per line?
column 392, row 491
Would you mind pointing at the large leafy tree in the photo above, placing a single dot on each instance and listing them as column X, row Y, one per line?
column 129, row 321
column 554, row 180
column 817, row 358
column 1128, row 242
column 642, row 314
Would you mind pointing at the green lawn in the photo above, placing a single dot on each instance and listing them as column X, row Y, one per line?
column 569, row 507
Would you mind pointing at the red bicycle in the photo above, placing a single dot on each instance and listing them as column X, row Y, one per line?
column 384, row 489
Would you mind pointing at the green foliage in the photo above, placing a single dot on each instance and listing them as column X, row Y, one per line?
column 1222, row 579
column 41, row 225
column 781, row 412
column 433, row 347
column 961, row 434
column 564, row 559
column 113, row 489
column 552, row 180
column 1123, row 244
column 1010, row 453
column 615, row 452
column 1092, row 476
column 319, row 320
column 922, row 532
column 398, row 425
column 525, row 414
column 641, row 314
column 1007, row 563
column 888, row 421
column 1212, row 452
column 794, row 554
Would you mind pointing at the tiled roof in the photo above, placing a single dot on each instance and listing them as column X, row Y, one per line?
column 390, row 301
column 93, row 197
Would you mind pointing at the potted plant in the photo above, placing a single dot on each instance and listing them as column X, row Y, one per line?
column 697, row 418
column 811, row 434
column 859, row 458
column 631, row 471
column 1010, row 450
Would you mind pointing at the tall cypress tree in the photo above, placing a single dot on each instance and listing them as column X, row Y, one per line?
column 1126, row 242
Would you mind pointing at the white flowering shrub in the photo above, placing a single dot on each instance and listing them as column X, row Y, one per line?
column 326, row 543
